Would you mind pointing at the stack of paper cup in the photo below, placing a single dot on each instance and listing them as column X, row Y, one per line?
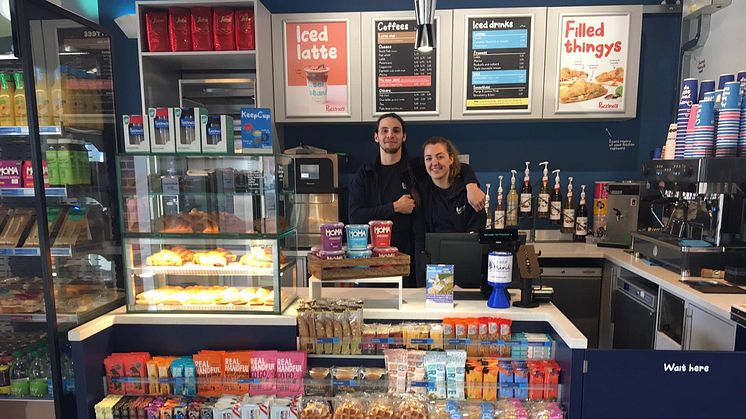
column 725, row 78
column 728, row 124
column 741, row 77
column 705, row 87
column 689, row 131
column 688, row 98
column 702, row 142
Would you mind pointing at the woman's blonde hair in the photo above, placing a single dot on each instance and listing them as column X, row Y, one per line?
column 455, row 168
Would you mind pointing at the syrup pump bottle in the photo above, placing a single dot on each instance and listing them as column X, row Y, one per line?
column 542, row 203
column 581, row 221
column 511, row 216
column 500, row 208
column 487, row 207
column 555, row 204
column 526, row 194
column 568, row 212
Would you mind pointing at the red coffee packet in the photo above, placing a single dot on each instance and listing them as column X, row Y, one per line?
column 179, row 29
column 201, row 18
column 223, row 29
column 156, row 25
column 245, row 29
column 114, row 365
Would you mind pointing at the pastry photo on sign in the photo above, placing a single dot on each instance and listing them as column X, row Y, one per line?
column 612, row 78
column 580, row 91
column 568, row 75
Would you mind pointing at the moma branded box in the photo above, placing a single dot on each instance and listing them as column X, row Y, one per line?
column 188, row 132
column 136, row 138
column 161, row 124
column 217, row 134
column 10, row 174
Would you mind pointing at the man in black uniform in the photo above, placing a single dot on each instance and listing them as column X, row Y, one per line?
column 385, row 189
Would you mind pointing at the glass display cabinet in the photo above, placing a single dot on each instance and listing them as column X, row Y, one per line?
column 60, row 253
column 205, row 233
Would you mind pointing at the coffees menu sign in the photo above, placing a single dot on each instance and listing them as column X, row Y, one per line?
column 405, row 77
column 316, row 68
column 593, row 55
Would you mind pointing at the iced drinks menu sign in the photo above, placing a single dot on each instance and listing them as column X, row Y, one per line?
column 405, row 77
column 498, row 63
column 316, row 68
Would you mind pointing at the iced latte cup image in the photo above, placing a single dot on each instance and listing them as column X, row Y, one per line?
column 316, row 79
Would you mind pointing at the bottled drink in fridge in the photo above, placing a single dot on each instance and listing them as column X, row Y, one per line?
column 19, row 380
column 555, row 204
column 7, row 108
column 568, row 212
column 511, row 216
column 581, row 220
column 68, row 373
column 526, row 194
column 499, row 219
column 19, row 100
column 39, row 376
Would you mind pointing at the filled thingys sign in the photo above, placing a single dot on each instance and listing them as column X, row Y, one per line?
column 593, row 57
column 316, row 68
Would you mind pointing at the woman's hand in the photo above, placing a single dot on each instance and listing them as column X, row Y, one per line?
column 475, row 196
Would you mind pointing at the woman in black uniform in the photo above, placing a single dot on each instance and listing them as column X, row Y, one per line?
column 444, row 203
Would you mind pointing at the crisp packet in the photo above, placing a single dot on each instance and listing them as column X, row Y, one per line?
column 291, row 367
column 455, row 374
column 236, row 371
column 263, row 367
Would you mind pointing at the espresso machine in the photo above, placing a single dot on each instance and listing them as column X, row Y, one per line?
column 697, row 208
column 316, row 193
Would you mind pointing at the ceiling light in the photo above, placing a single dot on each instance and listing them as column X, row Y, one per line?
column 424, row 11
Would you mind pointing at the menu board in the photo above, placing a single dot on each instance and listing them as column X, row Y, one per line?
column 405, row 77
column 593, row 54
column 316, row 68
column 498, row 63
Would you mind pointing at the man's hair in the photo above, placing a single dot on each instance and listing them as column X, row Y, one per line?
column 392, row 115
column 452, row 152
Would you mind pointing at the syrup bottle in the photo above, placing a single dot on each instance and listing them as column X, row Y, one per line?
column 568, row 212
column 487, row 207
column 500, row 208
column 542, row 204
column 526, row 195
column 511, row 217
column 581, row 221
column 555, row 204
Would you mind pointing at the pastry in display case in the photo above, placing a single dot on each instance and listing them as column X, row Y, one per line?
column 207, row 233
column 179, row 274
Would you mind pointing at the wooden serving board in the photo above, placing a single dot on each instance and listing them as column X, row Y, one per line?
column 349, row 268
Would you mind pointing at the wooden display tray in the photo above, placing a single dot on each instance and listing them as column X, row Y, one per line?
column 352, row 268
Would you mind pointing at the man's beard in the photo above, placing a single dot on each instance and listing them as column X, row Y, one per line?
column 390, row 149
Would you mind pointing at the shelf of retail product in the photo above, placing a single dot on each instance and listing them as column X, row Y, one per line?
column 191, row 269
column 4, row 399
column 213, row 236
column 200, row 60
column 71, row 194
column 23, row 131
column 62, row 251
column 103, row 306
column 329, row 356
column 414, row 309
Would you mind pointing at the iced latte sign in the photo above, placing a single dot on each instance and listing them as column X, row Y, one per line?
column 593, row 55
column 316, row 68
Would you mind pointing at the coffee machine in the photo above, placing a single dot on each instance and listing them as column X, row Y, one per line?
column 316, row 193
column 698, row 208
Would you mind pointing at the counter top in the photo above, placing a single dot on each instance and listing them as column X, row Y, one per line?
column 717, row 304
column 413, row 309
